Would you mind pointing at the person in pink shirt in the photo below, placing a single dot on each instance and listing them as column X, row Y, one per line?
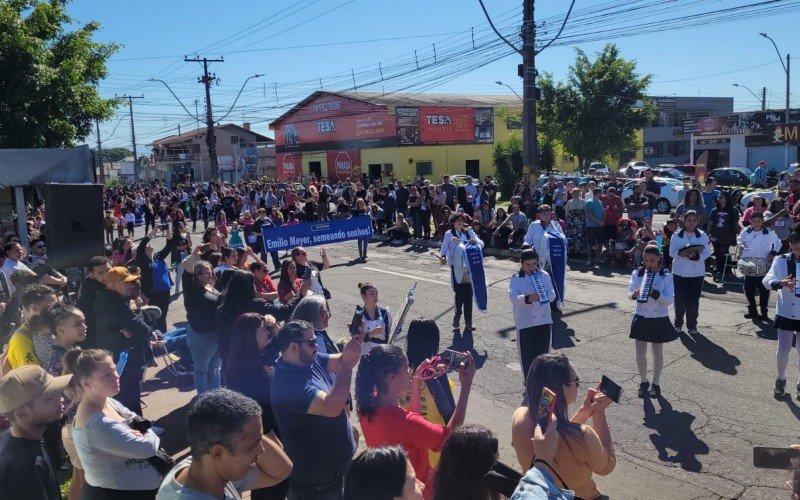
column 612, row 204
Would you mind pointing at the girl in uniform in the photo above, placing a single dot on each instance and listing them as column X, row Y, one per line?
column 651, row 322
column 377, row 320
column 782, row 277
column 530, row 292
column 455, row 257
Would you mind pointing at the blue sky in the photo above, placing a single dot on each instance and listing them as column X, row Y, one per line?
column 292, row 48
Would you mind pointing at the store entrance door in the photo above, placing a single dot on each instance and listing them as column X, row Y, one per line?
column 315, row 169
column 375, row 171
column 473, row 169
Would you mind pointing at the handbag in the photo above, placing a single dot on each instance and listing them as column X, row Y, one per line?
column 161, row 461
column 503, row 479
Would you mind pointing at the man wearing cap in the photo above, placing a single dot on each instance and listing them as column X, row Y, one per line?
column 31, row 399
column 120, row 329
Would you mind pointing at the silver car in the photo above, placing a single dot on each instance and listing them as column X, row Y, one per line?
column 671, row 193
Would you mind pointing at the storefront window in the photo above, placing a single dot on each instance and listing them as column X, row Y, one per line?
column 678, row 148
column 653, row 149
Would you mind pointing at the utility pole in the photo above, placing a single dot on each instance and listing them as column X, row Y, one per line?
column 197, row 116
column 100, row 154
column 530, row 164
column 763, row 98
column 130, row 99
column 211, row 139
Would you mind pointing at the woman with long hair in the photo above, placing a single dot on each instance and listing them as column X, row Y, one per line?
column 221, row 223
column 289, row 283
column 248, row 371
column 114, row 456
column 467, row 456
column 361, row 210
column 383, row 377
column 723, row 226
column 123, row 251
column 383, row 473
column 212, row 239
column 200, row 300
column 425, row 208
column 759, row 205
column 692, row 200
column 575, row 212
column 583, row 450
column 453, row 254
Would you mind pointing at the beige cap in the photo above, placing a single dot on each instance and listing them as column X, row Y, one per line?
column 22, row 385
column 117, row 274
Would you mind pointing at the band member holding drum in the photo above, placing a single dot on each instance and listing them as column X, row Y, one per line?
column 759, row 246
column 689, row 249
column 452, row 254
column 782, row 277
column 652, row 288
column 530, row 292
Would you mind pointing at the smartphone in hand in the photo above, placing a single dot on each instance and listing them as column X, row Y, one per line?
column 355, row 326
column 610, row 389
column 454, row 360
column 545, row 408
column 307, row 273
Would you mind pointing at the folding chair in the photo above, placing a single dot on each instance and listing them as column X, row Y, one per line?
column 731, row 263
column 169, row 358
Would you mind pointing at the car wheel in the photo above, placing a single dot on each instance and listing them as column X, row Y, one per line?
column 663, row 206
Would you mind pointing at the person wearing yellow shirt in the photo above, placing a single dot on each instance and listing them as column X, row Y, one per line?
column 21, row 349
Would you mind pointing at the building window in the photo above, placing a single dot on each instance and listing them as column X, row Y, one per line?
column 675, row 118
column 388, row 169
column 235, row 139
column 653, row 149
column 678, row 148
column 424, row 167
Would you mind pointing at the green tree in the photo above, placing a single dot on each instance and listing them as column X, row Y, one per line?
column 49, row 75
column 116, row 154
column 597, row 111
column 507, row 159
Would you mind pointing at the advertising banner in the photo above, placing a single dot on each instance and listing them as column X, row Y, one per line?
column 317, row 233
column 336, row 124
column 784, row 134
column 446, row 125
column 343, row 164
column 289, row 166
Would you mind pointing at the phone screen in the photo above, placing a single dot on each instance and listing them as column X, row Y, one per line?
column 356, row 324
column 545, row 408
column 307, row 274
column 610, row 389
column 774, row 458
column 454, row 360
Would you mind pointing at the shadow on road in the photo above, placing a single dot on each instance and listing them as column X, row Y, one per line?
column 464, row 342
column 792, row 404
column 563, row 336
column 174, row 439
column 710, row 354
column 674, row 433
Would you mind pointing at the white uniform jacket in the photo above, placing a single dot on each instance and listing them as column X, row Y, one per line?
column 662, row 294
column 533, row 314
column 536, row 230
column 448, row 243
column 788, row 306
column 758, row 244
column 683, row 266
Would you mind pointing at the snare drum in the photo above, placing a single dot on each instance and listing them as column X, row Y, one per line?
column 752, row 266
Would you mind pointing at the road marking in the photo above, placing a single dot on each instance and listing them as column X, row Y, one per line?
column 409, row 276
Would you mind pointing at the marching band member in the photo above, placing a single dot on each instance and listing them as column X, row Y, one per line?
column 782, row 277
column 530, row 292
column 535, row 238
column 651, row 321
column 757, row 242
column 689, row 249
column 377, row 320
column 452, row 254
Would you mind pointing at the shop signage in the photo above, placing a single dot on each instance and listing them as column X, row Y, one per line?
column 444, row 125
column 288, row 165
column 785, row 134
column 342, row 164
column 664, row 102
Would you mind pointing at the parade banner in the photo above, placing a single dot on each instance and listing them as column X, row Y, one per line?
column 475, row 261
column 315, row 233
column 558, row 263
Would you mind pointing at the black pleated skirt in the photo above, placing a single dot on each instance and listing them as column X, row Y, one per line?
column 657, row 330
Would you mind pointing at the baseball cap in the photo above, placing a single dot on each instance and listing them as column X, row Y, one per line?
column 117, row 274
column 22, row 385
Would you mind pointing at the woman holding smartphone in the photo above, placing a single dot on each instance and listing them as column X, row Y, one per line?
column 582, row 450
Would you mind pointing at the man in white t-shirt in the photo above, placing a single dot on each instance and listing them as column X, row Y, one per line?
column 230, row 455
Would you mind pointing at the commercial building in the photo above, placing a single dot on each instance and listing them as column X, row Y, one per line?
column 664, row 140
column 743, row 139
column 340, row 135
column 241, row 152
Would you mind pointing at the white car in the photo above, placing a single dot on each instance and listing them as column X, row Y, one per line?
column 600, row 167
column 748, row 198
column 671, row 190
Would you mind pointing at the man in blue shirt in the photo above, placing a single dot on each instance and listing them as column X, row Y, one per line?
column 595, row 216
column 760, row 175
column 710, row 194
column 311, row 411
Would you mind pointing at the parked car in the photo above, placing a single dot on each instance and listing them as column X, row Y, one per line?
column 686, row 168
column 559, row 177
column 600, row 167
column 731, row 176
column 672, row 173
column 748, row 198
column 671, row 190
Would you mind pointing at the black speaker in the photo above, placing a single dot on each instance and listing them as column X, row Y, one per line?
column 73, row 223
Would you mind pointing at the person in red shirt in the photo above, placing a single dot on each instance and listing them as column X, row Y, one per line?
column 265, row 287
column 383, row 377
column 612, row 204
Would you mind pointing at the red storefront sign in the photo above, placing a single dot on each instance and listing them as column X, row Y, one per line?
column 443, row 125
column 288, row 165
column 336, row 123
column 342, row 164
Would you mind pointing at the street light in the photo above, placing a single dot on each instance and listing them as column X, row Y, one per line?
column 509, row 87
column 763, row 103
column 786, row 69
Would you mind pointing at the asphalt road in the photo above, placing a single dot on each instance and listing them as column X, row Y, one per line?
column 696, row 442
